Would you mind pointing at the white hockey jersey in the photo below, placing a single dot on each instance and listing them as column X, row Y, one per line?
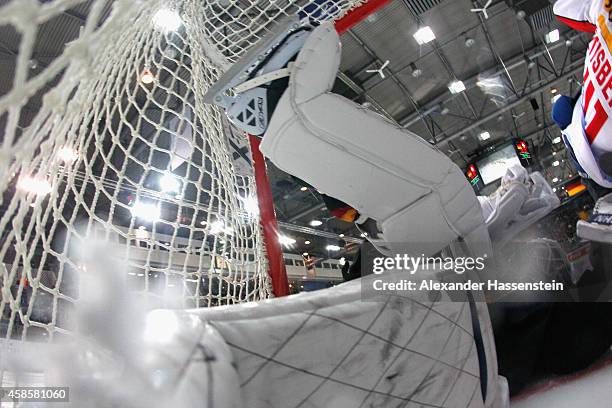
column 590, row 133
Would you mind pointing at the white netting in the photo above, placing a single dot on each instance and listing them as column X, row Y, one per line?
column 88, row 138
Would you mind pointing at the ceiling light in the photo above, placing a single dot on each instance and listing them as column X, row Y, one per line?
column 364, row 234
column 424, row 35
column 485, row 136
column 342, row 261
column 286, row 241
column 553, row 36
column 34, row 185
column 316, row 223
column 332, row 248
column 147, row 77
column 305, row 254
column 456, row 87
column 219, row 227
column 555, row 180
column 557, row 140
column 304, row 188
column 553, row 90
column 169, row 184
column 307, row 242
column 341, row 235
column 555, row 163
column 167, row 20
column 67, row 154
column 469, row 42
column 415, row 71
column 146, row 211
column 554, row 189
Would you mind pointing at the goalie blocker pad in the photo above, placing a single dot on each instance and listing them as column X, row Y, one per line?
column 418, row 196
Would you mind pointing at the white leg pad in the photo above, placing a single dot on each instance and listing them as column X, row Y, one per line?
column 417, row 195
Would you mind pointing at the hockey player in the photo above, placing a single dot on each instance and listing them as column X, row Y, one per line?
column 585, row 119
column 401, row 187
column 396, row 182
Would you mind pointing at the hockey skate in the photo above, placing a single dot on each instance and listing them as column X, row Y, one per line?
column 521, row 200
column 599, row 226
column 251, row 88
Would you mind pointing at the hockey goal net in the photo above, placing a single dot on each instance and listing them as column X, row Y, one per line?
column 110, row 140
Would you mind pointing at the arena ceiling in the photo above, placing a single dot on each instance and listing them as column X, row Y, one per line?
column 508, row 67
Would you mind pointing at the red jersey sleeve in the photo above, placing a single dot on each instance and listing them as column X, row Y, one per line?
column 576, row 14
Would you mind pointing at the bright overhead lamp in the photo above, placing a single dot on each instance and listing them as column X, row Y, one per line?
column 303, row 188
column 342, row 261
column 424, row 35
column 485, row 136
column 286, row 241
column 316, row 223
column 169, row 184
column 147, row 77
column 456, row 87
column 553, row 36
column 307, row 242
column 341, row 235
column 67, row 154
column 555, row 180
column 332, row 248
column 415, row 71
column 557, row 140
column 167, row 20
column 34, row 185
column 555, row 163
column 146, row 211
column 219, row 227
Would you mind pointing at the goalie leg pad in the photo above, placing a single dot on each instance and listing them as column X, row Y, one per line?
column 418, row 196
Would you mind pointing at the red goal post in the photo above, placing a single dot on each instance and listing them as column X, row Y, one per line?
column 276, row 264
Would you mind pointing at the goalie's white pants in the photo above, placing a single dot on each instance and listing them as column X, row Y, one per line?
column 331, row 349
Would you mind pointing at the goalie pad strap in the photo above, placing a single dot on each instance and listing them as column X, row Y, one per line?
column 263, row 79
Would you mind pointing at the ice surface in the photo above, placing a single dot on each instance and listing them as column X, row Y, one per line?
column 593, row 390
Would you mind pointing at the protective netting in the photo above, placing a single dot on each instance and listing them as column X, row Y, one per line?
column 111, row 140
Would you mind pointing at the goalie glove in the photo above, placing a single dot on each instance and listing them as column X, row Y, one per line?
column 251, row 89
